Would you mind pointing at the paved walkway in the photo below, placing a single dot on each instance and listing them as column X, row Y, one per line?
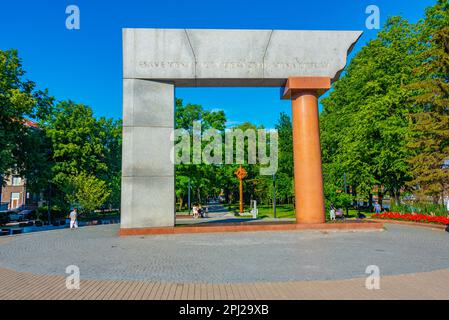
column 218, row 213
column 427, row 286
column 414, row 263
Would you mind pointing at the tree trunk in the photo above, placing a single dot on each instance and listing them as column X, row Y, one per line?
column 436, row 199
column 397, row 198
column 380, row 197
column 354, row 195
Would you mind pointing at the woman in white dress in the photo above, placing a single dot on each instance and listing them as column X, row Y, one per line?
column 195, row 211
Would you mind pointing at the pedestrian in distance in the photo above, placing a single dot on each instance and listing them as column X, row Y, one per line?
column 74, row 219
column 377, row 208
column 332, row 212
column 195, row 211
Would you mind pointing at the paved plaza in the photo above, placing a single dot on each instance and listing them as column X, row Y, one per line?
column 414, row 263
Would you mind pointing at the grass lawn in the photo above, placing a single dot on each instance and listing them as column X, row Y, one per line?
column 287, row 211
column 282, row 211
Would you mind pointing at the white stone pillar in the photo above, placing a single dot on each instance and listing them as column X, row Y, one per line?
column 148, row 182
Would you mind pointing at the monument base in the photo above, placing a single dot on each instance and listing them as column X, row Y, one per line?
column 255, row 227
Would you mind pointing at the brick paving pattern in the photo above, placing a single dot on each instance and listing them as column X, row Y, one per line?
column 414, row 264
column 430, row 285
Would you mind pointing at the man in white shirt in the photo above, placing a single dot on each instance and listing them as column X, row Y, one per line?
column 74, row 219
column 195, row 211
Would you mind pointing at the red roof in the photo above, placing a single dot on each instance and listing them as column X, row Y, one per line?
column 30, row 123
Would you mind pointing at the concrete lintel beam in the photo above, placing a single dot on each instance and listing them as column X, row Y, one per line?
column 209, row 57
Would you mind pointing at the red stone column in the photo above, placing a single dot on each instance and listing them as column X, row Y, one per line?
column 309, row 191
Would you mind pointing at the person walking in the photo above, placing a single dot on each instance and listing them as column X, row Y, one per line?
column 332, row 212
column 195, row 211
column 74, row 219
column 377, row 208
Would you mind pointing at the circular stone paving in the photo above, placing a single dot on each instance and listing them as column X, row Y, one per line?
column 227, row 257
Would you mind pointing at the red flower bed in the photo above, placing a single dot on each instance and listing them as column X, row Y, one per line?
column 412, row 217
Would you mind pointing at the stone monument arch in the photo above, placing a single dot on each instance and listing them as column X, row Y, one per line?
column 156, row 61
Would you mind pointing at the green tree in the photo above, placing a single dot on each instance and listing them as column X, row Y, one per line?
column 86, row 192
column 365, row 119
column 76, row 141
column 204, row 178
column 35, row 149
column 284, row 176
column 68, row 143
column 19, row 101
column 429, row 135
column 111, row 140
column 83, row 147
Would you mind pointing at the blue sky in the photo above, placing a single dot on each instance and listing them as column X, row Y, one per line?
column 86, row 65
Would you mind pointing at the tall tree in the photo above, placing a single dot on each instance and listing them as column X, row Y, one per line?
column 364, row 123
column 86, row 191
column 20, row 101
column 83, row 148
column 111, row 140
column 429, row 137
column 284, row 176
column 204, row 179
column 76, row 140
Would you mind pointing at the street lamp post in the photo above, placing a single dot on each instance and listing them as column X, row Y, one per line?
column 49, row 203
column 1, row 190
column 346, row 192
column 188, row 196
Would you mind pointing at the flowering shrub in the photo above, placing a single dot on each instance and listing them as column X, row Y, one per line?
column 412, row 217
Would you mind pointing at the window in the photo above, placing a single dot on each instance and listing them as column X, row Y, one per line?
column 16, row 181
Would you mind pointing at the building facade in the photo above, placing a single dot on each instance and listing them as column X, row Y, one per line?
column 13, row 193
